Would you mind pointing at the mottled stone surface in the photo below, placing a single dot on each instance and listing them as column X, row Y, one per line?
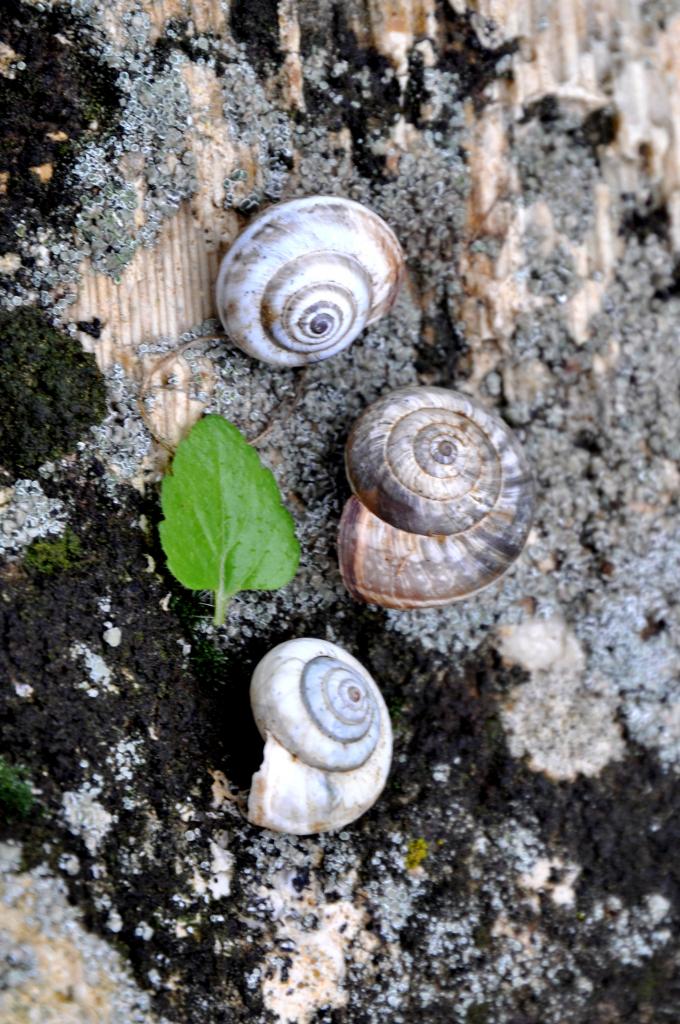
column 522, row 864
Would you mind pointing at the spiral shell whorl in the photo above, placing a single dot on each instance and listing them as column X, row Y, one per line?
column 305, row 278
column 328, row 738
column 432, row 461
column 323, row 707
column 444, row 500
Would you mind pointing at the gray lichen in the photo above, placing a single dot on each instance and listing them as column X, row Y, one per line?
column 112, row 220
column 556, row 166
column 50, row 964
column 26, row 514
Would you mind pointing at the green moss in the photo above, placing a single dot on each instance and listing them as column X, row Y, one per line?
column 206, row 658
column 16, row 795
column 208, row 661
column 50, row 556
column 649, row 982
column 51, row 391
column 478, row 1013
column 416, row 853
column 396, row 708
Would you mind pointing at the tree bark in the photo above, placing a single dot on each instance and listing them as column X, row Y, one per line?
column 520, row 865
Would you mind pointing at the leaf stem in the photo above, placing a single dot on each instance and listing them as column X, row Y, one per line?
column 222, row 600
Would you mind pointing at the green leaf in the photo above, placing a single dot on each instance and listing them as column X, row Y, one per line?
column 225, row 528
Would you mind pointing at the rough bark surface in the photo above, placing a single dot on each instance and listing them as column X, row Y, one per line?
column 521, row 865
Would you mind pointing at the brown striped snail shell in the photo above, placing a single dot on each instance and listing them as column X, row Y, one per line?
column 443, row 500
column 304, row 279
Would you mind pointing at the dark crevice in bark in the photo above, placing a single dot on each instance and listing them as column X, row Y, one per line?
column 442, row 347
column 641, row 223
column 255, row 24
column 462, row 52
column 366, row 111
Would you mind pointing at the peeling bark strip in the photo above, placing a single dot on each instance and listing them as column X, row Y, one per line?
column 521, row 865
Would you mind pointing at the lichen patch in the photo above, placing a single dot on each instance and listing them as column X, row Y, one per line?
column 27, row 514
column 564, row 726
column 563, row 719
column 307, row 970
column 86, row 816
column 99, row 675
column 542, row 645
column 553, row 876
column 56, row 971
column 635, row 933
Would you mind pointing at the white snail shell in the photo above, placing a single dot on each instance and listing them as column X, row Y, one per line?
column 443, row 500
column 328, row 738
column 305, row 278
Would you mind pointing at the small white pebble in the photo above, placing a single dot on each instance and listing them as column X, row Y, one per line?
column 69, row 863
column 113, row 636
column 114, row 921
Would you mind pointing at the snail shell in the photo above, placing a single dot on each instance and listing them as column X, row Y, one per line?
column 443, row 500
column 328, row 738
column 305, row 278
